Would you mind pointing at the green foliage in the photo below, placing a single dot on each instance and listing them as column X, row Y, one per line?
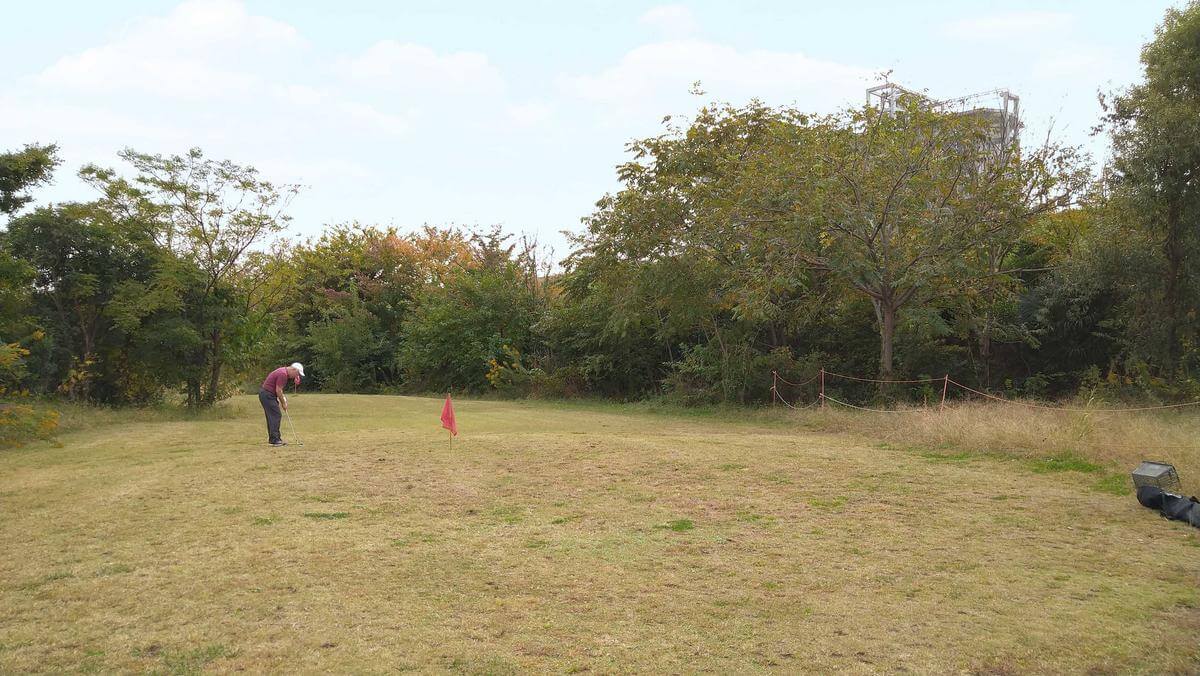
column 458, row 328
column 509, row 376
column 82, row 257
column 23, row 422
column 753, row 229
column 24, row 169
column 206, row 215
column 351, row 290
column 1153, row 198
column 350, row 348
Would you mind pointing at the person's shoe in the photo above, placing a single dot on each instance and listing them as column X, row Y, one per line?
column 279, row 443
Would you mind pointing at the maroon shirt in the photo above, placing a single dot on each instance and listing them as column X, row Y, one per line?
column 278, row 378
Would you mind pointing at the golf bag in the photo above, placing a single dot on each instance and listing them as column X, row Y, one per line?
column 1171, row 506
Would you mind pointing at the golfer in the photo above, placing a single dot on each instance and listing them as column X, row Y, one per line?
column 270, row 395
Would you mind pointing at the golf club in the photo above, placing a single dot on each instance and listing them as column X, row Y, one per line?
column 292, row 425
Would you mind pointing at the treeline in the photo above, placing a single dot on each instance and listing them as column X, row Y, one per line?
column 754, row 239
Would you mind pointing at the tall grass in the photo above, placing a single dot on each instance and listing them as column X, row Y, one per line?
column 1117, row 440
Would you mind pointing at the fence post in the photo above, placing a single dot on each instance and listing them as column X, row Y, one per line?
column 822, row 395
column 774, row 384
column 945, row 386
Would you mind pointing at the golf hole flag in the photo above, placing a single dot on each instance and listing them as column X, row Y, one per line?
column 448, row 417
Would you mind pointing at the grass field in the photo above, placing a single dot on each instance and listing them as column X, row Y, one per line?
column 574, row 538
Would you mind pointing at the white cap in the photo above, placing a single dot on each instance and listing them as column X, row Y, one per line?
column 299, row 367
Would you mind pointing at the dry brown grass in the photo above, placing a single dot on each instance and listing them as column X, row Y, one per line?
column 561, row 538
column 1117, row 441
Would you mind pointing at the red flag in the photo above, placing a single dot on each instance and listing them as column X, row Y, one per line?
column 448, row 417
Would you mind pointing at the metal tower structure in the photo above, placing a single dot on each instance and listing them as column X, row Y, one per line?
column 999, row 107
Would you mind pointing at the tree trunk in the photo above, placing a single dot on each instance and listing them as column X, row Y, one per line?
column 87, row 331
column 214, row 375
column 193, row 392
column 214, row 384
column 887, row 333
column 985, row 353
column 724, row 363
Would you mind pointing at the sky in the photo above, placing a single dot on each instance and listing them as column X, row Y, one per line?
column 515, row 113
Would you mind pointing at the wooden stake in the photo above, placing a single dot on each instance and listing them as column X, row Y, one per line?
column 822, row 397
column 945, row 386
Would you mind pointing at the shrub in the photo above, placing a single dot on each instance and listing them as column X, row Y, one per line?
column 20, row 423
column 508, row 376
column 568, row 382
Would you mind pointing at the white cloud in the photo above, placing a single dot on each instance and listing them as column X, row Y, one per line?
column 674, row 21
column 1008, row 26
column 202, row 49
column 50, row 121
column 1079, row 60
column 529, row 114
column 312, row 170
column 300, row 95
column 653, row 78
column 369, row 116
column 406, row 66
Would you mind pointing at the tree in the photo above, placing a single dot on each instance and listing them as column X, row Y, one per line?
column 22, row 170
column 699, row 242
column 1154, row 175
column 903, row 200
column 81, row 257
column 756, row 220
column 19, row 171
column 475, row 317
column 354, row 288
column 209, row 214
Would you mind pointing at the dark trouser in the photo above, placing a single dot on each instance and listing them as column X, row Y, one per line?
column 270, row 404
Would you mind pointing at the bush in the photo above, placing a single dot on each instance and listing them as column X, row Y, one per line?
column 1136, row 383
column 508, row 376
column 568, row 382
column 458, row 330
column 20, row 423
column 350, row 350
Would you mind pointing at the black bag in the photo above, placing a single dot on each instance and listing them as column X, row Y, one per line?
column 1171, row 506
column 1150, row 496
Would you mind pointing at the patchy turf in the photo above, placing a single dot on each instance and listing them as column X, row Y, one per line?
column 564, row 538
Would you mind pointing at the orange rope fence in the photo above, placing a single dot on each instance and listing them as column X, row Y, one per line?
column 946, row 381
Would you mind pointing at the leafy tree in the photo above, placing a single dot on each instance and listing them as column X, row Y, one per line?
column 1155, row 188
column 693, row 246
column 81, row 257
column 24, row 169
column 745, row 229
column 472, row 318
column 19, row 171
column 354, row 287
column 209, row 214
column 910, row 204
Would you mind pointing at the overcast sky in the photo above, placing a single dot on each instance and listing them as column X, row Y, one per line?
column 512, row 113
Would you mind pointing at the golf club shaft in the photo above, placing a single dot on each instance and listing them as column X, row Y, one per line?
column 292, row 425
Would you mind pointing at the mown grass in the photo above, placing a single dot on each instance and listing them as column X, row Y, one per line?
column 570, row 538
